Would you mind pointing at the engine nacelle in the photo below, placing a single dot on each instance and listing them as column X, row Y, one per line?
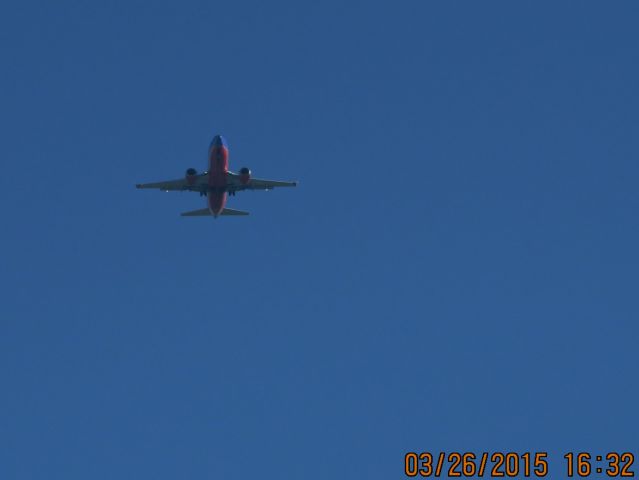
column 191, row 176
column 245, row 176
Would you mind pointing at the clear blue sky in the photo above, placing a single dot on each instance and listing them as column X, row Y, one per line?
column 457, row 269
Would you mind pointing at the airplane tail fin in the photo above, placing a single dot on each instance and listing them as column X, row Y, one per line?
column 205, row 212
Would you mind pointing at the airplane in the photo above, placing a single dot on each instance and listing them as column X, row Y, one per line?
column 217, row 182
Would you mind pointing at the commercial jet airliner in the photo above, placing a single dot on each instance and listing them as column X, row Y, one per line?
column 217, row 182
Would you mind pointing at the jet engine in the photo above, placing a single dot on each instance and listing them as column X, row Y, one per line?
column 245, row 175
column 191, row 176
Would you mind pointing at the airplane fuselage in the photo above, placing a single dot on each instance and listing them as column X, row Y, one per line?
column 218, row 169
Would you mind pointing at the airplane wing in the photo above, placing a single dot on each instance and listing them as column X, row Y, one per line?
column 200, row 183
column 233, row 180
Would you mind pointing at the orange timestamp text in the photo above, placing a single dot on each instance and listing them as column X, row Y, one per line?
column 512, row 464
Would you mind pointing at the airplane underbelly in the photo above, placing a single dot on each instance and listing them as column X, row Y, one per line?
column 217, row 201
column 218, row 166
column 217, row 179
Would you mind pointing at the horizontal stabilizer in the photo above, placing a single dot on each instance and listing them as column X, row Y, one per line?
column 230, row 211
column 205, row 212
